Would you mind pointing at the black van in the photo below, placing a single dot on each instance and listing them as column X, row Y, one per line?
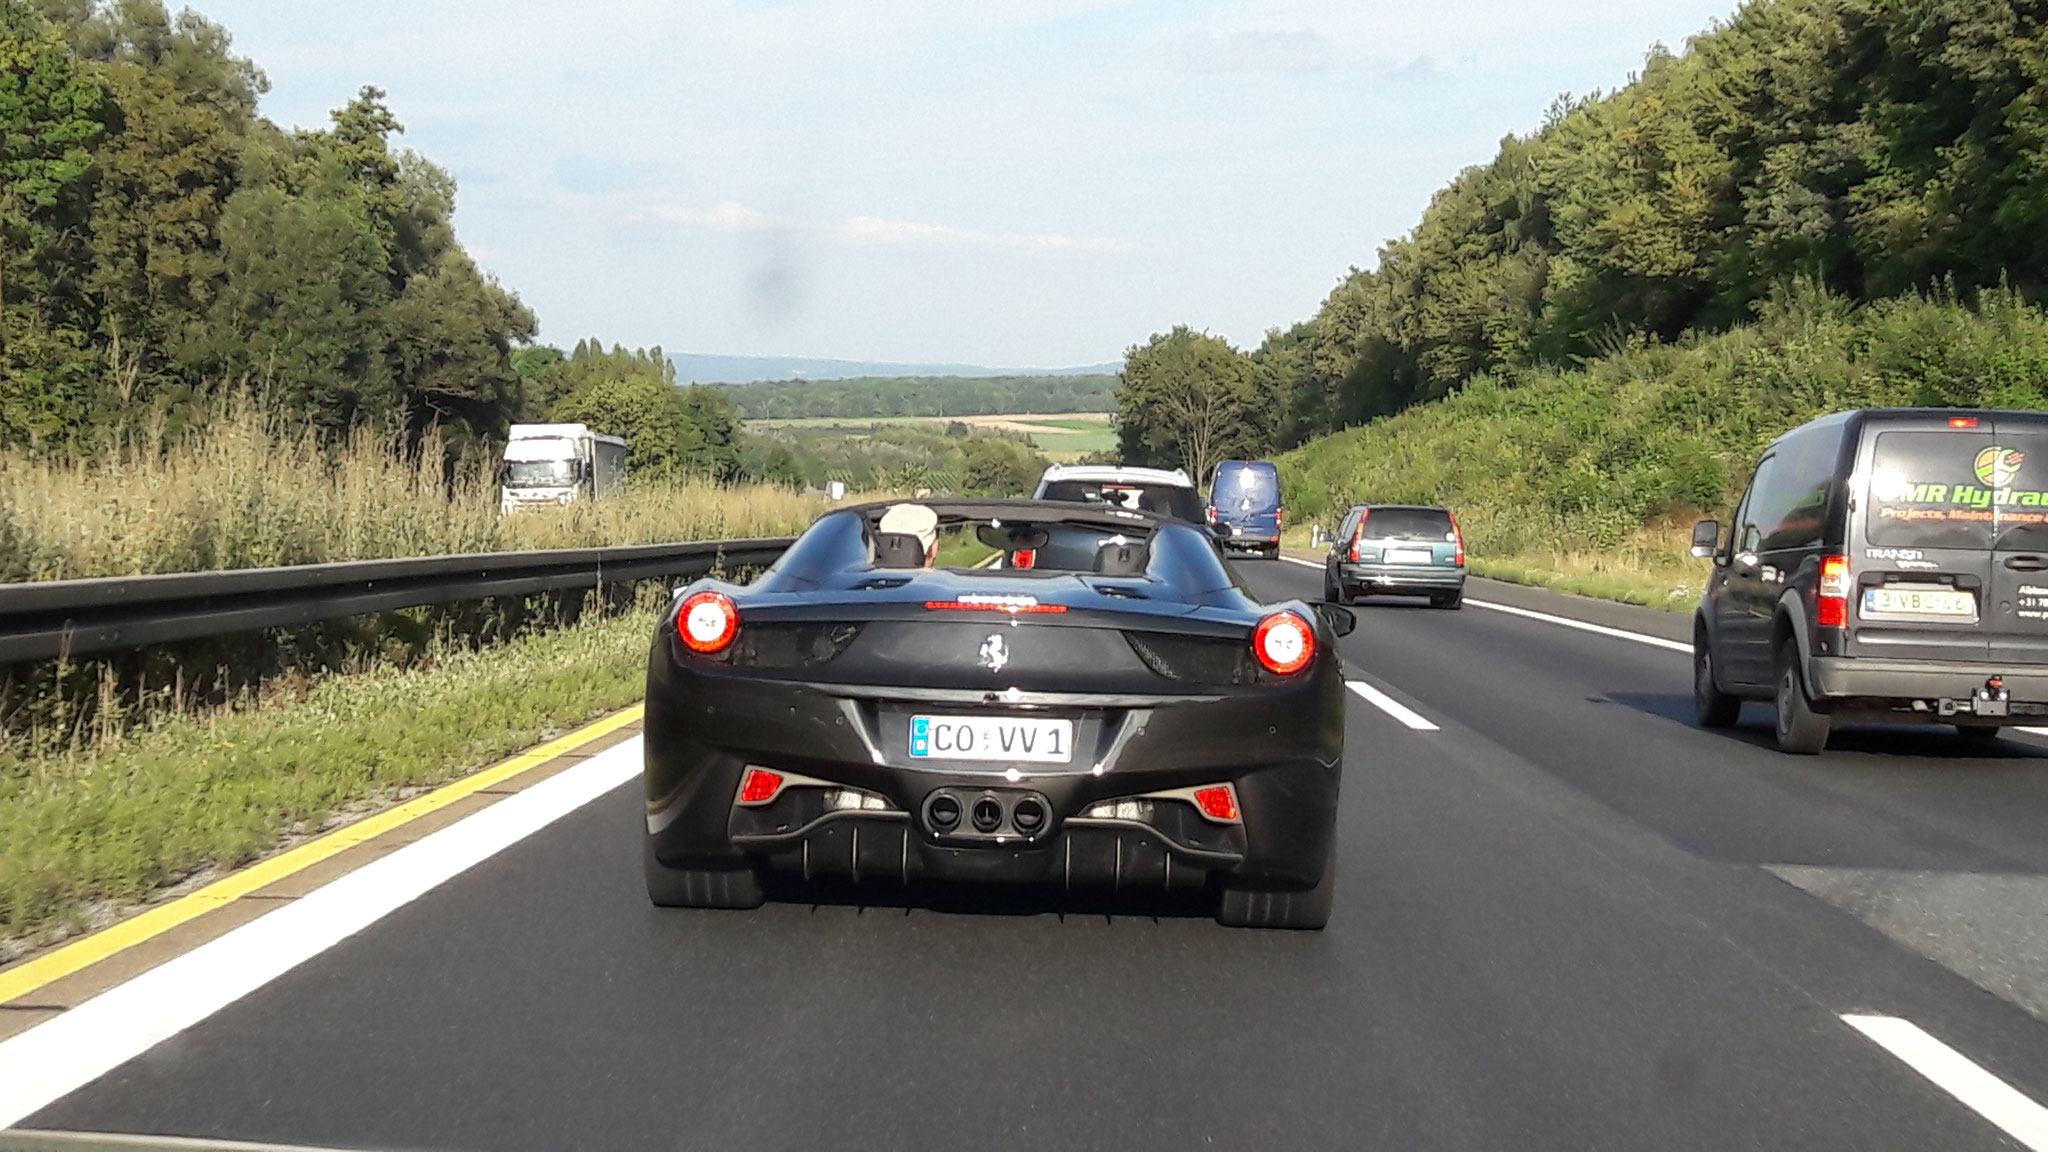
column 1887, row 563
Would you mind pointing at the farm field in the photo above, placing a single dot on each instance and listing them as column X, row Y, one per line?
column 1064, row 438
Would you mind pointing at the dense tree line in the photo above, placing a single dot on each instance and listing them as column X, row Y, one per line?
column 877, row 397
column 951, row 457
column 1870, row 147
column 159, row 238
column 160, row 242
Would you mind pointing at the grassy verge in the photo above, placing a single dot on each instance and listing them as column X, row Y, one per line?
column 1653, row 568
column 84, row 833
column 242, row 491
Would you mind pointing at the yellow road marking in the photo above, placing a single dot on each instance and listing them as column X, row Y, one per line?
column 20, row 981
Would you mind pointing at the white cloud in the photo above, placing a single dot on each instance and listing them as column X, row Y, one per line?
column 866, row 231
column 1258, row 51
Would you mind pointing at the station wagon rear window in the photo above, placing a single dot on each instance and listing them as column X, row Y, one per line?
column 1408, row 524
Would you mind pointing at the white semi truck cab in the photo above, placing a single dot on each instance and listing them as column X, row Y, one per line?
column 558, row 464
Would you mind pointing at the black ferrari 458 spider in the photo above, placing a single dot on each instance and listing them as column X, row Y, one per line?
column 1107, row 709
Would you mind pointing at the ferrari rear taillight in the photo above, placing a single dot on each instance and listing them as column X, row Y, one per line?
column 1831, row 608
column 1218, row 802
column 1284, row 643
column 1358, row 534
column 707, row 622
column 759, row 786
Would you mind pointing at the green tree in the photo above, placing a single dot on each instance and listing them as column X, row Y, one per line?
column 50, row 117
column 1189, row 399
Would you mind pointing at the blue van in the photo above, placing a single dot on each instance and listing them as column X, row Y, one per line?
column 1244, row 497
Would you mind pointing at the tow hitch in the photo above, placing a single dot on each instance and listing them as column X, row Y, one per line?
column 1990, row 700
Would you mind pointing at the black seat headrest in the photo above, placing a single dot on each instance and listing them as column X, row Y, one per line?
column 1120, row 560
column 898, row 550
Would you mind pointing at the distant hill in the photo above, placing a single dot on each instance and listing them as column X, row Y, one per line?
column 865, row 397
column 700, row 368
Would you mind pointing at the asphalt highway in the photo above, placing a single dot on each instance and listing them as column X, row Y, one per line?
column 1566, row 918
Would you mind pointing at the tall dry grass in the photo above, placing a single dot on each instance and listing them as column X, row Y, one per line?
column 242, row 490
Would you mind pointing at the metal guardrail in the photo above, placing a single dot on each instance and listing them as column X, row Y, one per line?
column 46, row 619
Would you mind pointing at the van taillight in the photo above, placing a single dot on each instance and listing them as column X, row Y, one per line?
column 1832, row 610
column 1279, row 519
column 1358, row 534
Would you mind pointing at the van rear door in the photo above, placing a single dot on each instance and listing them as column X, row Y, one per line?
column 2015, row 467
column 1921, row 574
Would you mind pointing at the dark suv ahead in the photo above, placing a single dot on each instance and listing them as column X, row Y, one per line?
column 1883, row 564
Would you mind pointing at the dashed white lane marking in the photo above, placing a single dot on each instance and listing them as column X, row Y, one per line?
column 1581, row 625
column 67, row 1052
column 1954, row 1073
column 1391, row 706
column 1561, row 621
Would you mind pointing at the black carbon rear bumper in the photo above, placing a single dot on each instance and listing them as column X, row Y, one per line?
column 1280, row 746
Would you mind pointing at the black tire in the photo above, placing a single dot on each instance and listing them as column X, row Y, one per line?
column 1978, row 733
column 1306, row 909
column 699, row 887
column 1450, row 600
column 1332, row 593
column 1273, row 553
column 1801, row 730
column 1712, row 707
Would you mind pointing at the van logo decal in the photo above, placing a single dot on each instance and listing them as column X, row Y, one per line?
column 1998, row 466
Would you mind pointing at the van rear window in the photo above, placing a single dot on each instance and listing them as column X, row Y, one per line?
column 1959, row 490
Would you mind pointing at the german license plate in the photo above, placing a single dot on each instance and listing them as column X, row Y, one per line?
column 1949, row 603
column 1410, row 556
column 991, row 738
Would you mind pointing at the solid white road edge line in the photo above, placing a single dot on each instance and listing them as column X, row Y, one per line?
column 1391, row 706
column 67, row 1052
column 1952, row 1072
column 1562, row 621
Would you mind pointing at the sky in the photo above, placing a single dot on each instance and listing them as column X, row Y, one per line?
column 1017, row 183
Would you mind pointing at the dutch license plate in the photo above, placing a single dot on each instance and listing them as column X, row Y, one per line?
column 1410, row 556
column 1947, row 602
column 991, row 738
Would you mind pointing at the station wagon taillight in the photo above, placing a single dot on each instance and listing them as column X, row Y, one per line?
column 1358, row 534
column 1458, row 537
column 1831, row 609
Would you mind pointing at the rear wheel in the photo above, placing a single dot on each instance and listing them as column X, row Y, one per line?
column 699, row 887
column 1307, row 908
column 1451, row 600
column 1332, row 593
column 1978, row 733
column 1713, row 707
column 1273, row 553
column 1801, row 730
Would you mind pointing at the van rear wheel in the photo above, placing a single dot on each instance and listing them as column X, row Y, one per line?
column 1711, row 706
column 1801, row 730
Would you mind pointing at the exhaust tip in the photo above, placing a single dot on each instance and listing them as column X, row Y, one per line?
column 943, row 811
column 988, row 814
column 1028, row 815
